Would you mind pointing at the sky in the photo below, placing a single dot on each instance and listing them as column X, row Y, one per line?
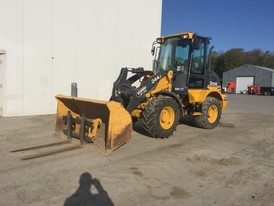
column 247, row 24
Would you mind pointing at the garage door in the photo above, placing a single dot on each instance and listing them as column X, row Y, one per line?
column 242, row 82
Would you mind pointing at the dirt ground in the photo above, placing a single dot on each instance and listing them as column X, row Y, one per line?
column 230, row 165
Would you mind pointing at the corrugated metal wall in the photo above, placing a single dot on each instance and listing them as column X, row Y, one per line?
column 272, row 82
column 51, row 43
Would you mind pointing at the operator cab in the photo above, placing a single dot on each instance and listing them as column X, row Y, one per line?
column 187, row 55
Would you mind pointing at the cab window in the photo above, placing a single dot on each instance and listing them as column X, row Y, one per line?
column 198, row 63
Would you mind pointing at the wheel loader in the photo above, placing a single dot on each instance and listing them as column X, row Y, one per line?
column 180, row 85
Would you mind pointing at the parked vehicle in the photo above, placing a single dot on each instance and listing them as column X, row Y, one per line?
column 267, row 91
column 253, row 89
column 231, row 87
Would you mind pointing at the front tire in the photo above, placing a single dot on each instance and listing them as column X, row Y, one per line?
column 160, row 117
column 211, row 114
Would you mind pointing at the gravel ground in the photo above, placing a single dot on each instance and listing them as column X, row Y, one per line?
column 232, row 164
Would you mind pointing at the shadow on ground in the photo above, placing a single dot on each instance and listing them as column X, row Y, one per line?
column 83, row 195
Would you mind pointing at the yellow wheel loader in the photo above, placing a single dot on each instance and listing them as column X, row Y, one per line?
column 180, row 85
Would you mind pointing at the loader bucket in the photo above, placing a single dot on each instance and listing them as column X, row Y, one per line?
column 105, row 125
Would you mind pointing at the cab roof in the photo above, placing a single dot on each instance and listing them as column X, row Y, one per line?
column 184, row 35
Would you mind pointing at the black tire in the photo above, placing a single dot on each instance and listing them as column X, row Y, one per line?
column 209, row 121
column 266, row 93
column 160, row 117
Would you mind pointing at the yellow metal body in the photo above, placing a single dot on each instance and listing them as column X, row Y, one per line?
column 165, row 84
column 194, row 95
column 97, row 123
column 188, row 35
column 112, row 123
column 199, row 95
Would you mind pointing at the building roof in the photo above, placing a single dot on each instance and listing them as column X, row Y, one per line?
column 250, row 65
column 265, row 68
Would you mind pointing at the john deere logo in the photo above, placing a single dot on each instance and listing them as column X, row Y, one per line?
column 141, row 91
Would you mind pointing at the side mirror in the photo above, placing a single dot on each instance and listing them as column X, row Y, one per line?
column 196, row 43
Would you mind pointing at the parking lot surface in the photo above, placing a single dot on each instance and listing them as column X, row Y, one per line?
column 232, row 164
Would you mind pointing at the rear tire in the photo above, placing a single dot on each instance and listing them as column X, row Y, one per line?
column 266, row 93
column 160, row 117
column 211, row 114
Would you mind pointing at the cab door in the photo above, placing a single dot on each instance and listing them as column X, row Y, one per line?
column 180, row 66
column 198, row 66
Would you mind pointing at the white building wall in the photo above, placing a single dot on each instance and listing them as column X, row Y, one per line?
column 51, row 43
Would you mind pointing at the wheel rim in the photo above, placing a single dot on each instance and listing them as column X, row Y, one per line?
column 167, row 118
column 212, row 113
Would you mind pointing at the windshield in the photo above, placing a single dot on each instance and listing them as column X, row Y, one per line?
column 174, row 54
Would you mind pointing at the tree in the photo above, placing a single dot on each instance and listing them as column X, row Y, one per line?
column 268, row 59
column 254, row 57
column 224, row 61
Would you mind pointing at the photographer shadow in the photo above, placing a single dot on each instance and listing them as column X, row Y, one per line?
column 83, row 195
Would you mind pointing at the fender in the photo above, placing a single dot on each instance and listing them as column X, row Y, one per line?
column 176, row 98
